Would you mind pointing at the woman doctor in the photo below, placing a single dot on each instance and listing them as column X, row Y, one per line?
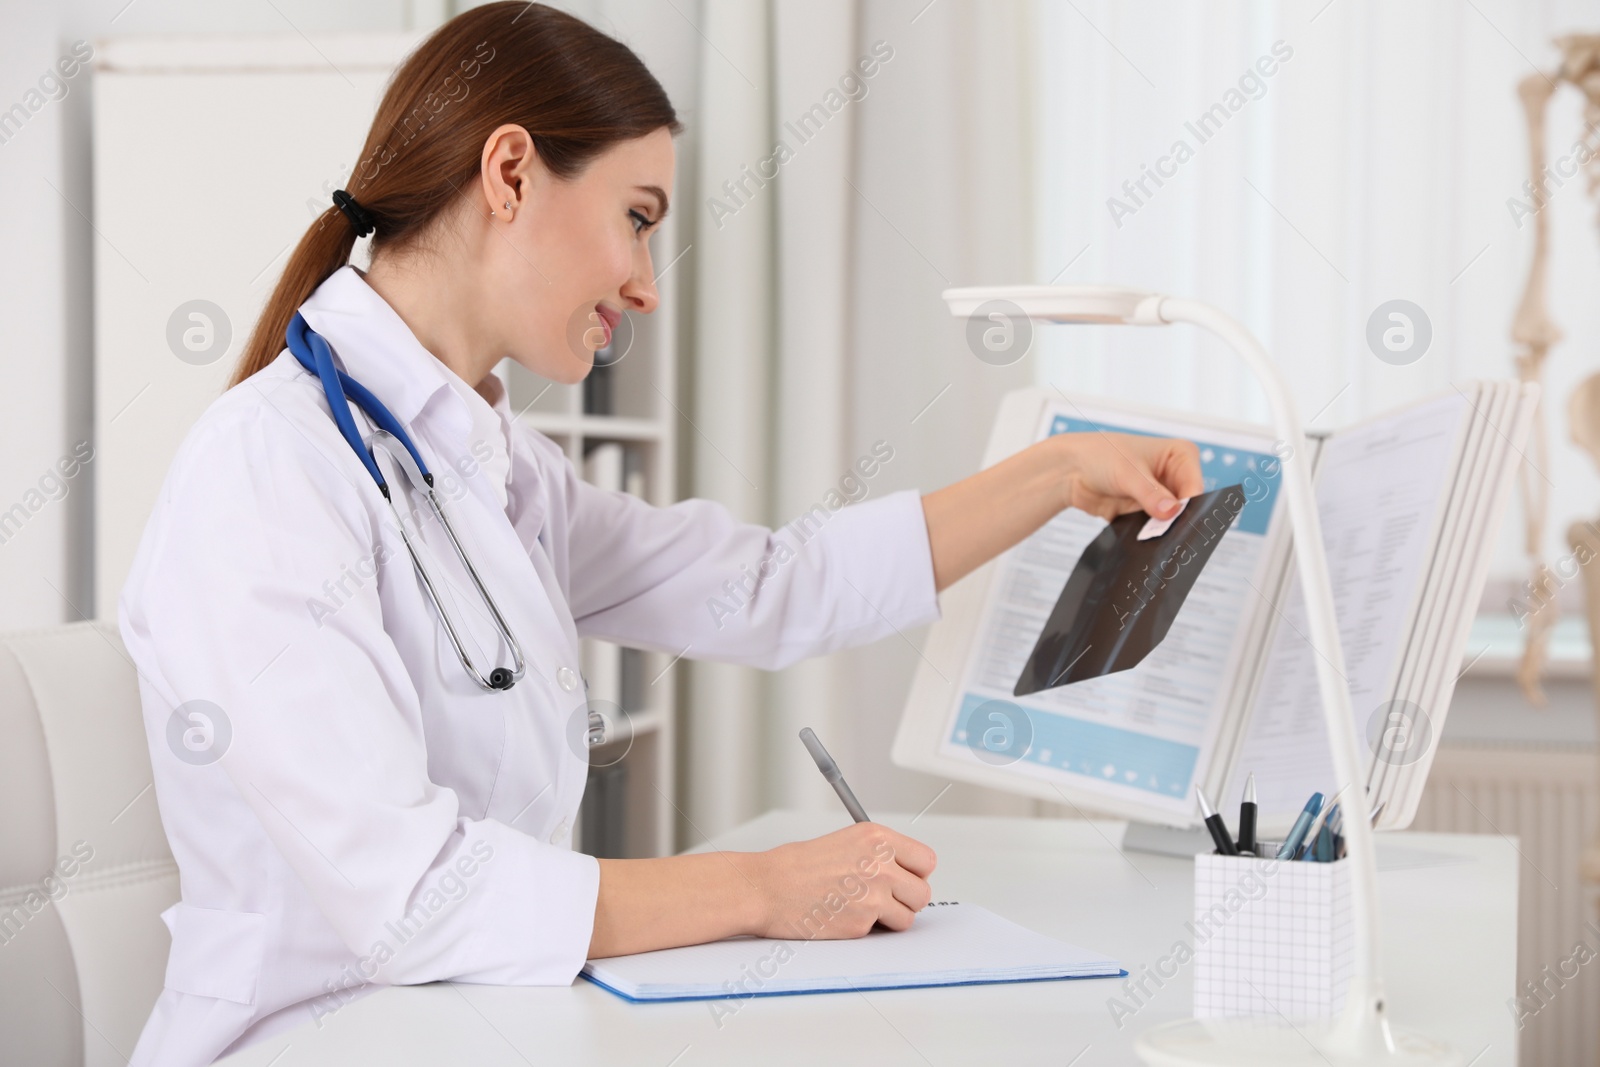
column 351, row 800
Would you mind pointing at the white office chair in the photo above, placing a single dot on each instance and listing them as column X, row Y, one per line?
column 82, row 954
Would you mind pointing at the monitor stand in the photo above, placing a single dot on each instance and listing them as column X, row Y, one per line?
column 1166, row 840
column 1175, row 841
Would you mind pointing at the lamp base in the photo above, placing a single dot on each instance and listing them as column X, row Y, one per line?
column 1261, row 1042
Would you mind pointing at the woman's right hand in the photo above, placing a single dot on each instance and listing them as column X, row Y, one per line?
column 839, row 885
column 832, row 887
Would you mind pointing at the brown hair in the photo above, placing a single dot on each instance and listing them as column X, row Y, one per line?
column 575, row 90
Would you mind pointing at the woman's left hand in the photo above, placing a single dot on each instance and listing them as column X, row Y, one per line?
column 1106, row 474
column 1111, row 474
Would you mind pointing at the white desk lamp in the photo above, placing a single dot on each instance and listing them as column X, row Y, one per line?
column 1361, row 1034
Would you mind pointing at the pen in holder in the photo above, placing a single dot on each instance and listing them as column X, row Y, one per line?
column 1272, row 937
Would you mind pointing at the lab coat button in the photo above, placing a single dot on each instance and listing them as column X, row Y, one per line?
column 567, row 679
column 562, row 832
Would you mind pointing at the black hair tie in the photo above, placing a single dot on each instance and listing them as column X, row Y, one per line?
column 359, row 217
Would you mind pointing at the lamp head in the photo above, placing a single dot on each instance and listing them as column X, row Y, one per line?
column 1113, row 304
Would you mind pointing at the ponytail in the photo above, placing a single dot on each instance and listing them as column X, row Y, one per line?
column 323, row 249
column 577, row 91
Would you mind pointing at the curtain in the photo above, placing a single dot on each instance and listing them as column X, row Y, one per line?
column 818, row 329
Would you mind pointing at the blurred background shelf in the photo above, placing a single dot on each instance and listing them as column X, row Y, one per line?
column 617, row 429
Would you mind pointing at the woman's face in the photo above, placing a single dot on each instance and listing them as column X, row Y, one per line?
column 574, row 255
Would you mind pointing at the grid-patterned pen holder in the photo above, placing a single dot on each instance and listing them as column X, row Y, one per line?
column 1271, row 936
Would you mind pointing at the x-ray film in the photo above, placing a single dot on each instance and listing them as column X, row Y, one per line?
column 1121, row 598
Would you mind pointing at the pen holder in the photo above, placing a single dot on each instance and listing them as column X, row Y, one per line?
column 1270, row 936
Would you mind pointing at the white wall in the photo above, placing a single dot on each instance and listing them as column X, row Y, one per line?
column 48, row 234
column 41, row 562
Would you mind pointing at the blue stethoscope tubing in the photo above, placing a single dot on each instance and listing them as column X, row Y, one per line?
column 315, row 355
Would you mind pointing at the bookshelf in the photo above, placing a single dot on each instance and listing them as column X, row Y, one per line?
column 617, row 428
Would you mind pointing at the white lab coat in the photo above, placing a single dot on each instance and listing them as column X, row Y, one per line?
column 375, row 816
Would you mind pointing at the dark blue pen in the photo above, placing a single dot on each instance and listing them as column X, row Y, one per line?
column 1330, row 807
column 1291, row 844
column 1322, row 847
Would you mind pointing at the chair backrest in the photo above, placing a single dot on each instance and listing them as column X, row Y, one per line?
column 85, row 870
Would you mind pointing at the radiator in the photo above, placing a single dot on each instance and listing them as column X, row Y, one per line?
column 1546, row 800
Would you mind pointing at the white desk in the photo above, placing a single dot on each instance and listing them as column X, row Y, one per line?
column 1449, row 939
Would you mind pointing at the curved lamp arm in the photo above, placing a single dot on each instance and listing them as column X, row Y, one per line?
column 1361, row 1034
column 1364, row 1003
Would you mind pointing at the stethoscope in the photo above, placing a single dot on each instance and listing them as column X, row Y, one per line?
column 315, row 356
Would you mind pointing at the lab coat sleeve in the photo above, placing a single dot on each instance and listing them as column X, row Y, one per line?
column 327, row 747
column 693, row 579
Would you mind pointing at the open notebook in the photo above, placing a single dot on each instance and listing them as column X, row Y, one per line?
column 949, row 944
column 1410, row 503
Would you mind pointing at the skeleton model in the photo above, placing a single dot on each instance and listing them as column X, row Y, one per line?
column 1584, row 416
column 1535, row 333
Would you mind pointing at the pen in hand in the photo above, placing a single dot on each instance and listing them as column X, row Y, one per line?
column 830, row 771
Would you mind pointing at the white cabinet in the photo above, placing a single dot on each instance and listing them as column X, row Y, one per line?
column 211, row 157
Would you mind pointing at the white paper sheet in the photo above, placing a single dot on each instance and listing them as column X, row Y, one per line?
column 948, row 943
column 1380, row 489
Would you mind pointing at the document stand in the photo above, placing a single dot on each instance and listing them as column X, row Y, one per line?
column 1361, row 1034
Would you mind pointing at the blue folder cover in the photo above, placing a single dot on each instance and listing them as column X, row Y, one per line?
column 846, row 989
column 949, row 944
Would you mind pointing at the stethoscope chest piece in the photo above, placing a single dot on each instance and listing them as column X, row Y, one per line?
column 422, row 483
column 316, row 356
